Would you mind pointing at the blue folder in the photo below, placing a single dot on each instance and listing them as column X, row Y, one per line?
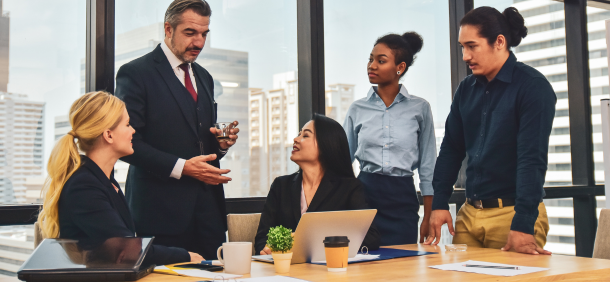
column 388, row 253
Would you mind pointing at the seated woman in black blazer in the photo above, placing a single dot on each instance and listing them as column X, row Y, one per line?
column 325, row 182
column 82, row 199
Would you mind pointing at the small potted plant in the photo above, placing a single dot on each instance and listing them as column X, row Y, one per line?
column 280, row 241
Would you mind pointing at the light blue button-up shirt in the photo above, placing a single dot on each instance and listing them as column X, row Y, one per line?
column 393, row 140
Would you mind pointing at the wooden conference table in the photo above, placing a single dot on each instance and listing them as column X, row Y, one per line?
column 562, row 268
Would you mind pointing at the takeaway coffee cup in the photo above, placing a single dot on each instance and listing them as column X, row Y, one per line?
column 237, row 257
column 336, row 249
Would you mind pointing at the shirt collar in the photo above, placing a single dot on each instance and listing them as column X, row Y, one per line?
column 171, row 57
column 506, row 72
column 402, row 94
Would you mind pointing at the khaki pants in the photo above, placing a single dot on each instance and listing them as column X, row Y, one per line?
column 489, row 228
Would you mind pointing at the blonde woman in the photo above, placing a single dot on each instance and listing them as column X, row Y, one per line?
column 82, row 200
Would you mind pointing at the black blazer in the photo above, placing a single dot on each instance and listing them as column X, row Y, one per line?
column 169, row 125
column 335, row 193
column 90, row 209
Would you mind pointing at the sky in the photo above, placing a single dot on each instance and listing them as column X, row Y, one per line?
column 47, row 44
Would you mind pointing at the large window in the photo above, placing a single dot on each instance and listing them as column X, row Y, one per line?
column 598, row 69
column 251, row 52
column 42, row 45
column 252, row 55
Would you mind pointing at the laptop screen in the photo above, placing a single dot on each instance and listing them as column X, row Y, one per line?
column 112, row 253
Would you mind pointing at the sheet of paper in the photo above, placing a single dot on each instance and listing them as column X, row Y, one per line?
column 358, row 257
column 206, row 274
column 490, row 271
column 161, row 267
column 271, row 279
column 361, row 257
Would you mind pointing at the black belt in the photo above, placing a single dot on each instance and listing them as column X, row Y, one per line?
column 491, row 203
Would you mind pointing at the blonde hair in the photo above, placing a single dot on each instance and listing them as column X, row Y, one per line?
column 90, row 116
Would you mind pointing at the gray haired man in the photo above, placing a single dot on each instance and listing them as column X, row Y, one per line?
column 174, row 186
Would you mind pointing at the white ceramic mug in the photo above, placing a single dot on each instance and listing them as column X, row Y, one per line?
column 237, row 257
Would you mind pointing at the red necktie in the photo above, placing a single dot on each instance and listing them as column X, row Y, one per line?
column 187, row 81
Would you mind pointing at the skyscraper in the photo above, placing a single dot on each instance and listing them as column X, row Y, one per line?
column 21, row 145
column 274, row 122
column 21, row 171
column 4, row 46
column 338, row 99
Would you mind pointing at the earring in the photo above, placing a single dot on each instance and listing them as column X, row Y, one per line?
column 398, row 72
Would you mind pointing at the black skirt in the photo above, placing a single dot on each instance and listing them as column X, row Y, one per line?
column 397, row 206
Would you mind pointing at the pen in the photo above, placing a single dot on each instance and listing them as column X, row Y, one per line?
column 492, row 266
column 211, row 262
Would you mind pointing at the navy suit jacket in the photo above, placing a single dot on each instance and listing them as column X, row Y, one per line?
column 90, row 209
column 169, row 125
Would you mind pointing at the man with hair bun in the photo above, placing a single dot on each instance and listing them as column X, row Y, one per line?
column 500, row 120
column 174, row 186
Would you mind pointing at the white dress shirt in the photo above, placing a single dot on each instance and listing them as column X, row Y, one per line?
column 175, row 63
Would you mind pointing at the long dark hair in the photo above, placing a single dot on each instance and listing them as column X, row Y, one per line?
column 491, row 23
column 403, row 46
column 333, row 146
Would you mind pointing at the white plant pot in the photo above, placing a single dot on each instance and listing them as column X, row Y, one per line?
column 281, row 261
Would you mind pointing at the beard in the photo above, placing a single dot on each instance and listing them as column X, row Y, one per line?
column 182, row 54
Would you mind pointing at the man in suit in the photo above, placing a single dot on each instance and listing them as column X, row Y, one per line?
column 174, row 186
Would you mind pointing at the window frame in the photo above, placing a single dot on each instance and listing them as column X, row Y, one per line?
column 310, row 36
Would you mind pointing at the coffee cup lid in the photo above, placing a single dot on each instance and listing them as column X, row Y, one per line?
column 336, row 241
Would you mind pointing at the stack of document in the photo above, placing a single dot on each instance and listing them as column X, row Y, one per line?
column 490, row 268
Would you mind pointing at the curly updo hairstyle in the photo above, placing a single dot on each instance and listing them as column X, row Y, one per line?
column 403, row 46
column 492, row 23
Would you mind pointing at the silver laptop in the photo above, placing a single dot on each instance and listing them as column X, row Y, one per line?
column 314, row 226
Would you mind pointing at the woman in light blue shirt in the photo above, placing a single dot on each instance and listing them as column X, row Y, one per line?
column 391, row 134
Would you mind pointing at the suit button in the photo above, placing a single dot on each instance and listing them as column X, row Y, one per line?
column 200, row 124
column 198, row 108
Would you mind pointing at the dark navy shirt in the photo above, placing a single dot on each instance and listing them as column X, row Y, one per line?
column 503, row 127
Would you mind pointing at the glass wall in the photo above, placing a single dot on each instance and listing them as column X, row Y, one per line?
column 42, row 51
column 598, row 68
column 252, row 55
column 251, row 52
column 544, row 49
